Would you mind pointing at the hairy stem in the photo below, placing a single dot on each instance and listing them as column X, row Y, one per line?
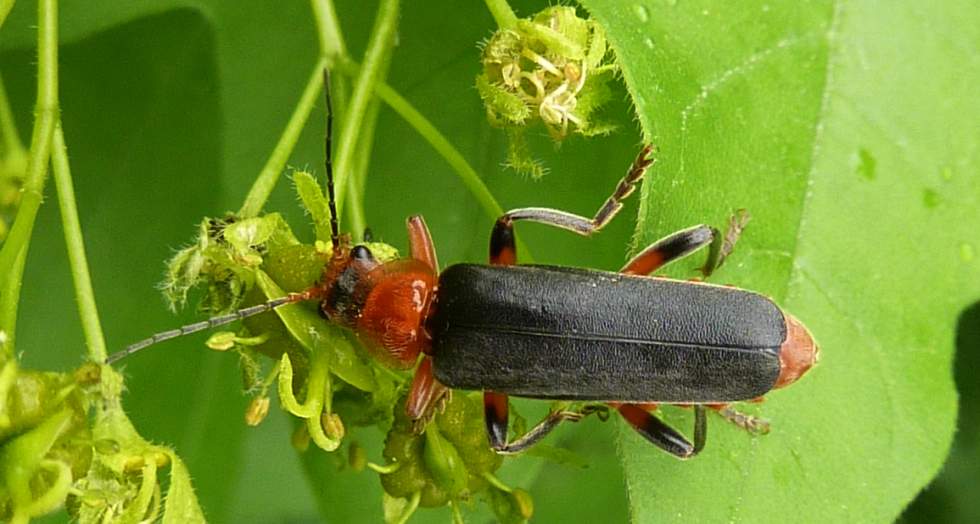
column 502, row 13
column 266, row 181
column 87, row 310
column 14, row 250
column 385, row 23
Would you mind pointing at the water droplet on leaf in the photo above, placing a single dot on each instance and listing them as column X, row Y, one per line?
column 866, row 164
column 930, row 198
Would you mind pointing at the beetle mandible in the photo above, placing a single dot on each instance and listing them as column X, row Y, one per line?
column 626, row 339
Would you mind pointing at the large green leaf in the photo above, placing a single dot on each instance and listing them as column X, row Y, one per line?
column 849, row 130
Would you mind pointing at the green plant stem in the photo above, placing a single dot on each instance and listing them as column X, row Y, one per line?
column 362, row 157
column 385, row 24
column 355, row 212
column 9, row 295
column 266, row 181
column 472, row 181
column 12, row 146
column 446, row 150
column 5, row 7
column 365, row 145
column 442, row 146
column 14, row 250
column 331, row 39
column 84, row 294
column 502, row 13
column 332, row 47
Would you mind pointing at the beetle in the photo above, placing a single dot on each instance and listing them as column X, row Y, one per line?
column 626, row 339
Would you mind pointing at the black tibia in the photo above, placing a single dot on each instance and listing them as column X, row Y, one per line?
column 663, row 436
column 495, row 406
column 495, row 411
column 503, row 249
column 668, row 249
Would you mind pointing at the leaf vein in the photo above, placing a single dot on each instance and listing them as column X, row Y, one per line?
column 750, row 63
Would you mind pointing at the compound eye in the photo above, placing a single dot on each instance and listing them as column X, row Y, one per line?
column 362, row 254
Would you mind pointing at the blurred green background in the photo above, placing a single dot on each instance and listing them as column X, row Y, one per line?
column 170, row 109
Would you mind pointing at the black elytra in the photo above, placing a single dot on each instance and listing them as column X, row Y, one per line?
column 577, row 334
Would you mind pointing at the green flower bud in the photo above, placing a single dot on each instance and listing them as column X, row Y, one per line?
column 522, row 503
column 443, row 462
column 333, row 426
column 257, row 410
column 511, row 507
column 448, row 461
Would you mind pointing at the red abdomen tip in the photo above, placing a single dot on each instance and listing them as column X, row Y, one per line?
column 797, row 354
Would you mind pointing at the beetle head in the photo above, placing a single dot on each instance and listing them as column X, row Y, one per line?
column 347, row 268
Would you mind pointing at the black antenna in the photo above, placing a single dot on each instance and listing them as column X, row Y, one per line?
column 213, row 322
column 334, row 228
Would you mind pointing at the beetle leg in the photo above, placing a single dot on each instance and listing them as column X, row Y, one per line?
column 754, row 425
column 425, row 395
column 722, row 246
column 495, row 407
column 668, row 249
column 495, row 413
column 502, row 249
column 662, row 435
column 420, row 242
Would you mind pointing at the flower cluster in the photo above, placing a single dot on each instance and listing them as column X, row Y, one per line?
column 64, row 439
column 554, row 68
